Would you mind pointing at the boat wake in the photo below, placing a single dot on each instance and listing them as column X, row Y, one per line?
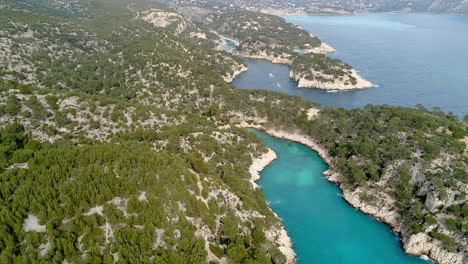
column 426, row 258
column 274, row 202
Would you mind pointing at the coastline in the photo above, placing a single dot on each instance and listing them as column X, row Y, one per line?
column 272, row 59
column 237, row 72
column 284, row 58
column 263, row 161
column 281, row 236
column 361, row 82
column 420, row 245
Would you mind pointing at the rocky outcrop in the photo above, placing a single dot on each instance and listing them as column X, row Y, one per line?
column 422, row 245
column 335, row 84
column 161, row 18
column 323, row 48
column 284, row 242
column 229, row 77
column 381, row 208
column 433, row 202
column 259, row 164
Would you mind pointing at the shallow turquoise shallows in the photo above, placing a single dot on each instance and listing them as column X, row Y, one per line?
column 324, row 228
column 414, row 58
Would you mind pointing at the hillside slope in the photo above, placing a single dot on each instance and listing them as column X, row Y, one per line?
column 119, row 142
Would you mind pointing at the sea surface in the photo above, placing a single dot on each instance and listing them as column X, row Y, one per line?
column 324, row 228
column 414, row 58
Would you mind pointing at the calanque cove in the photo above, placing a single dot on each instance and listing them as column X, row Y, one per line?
column 123, row 141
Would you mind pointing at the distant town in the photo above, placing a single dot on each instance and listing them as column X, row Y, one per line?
column 336, row 7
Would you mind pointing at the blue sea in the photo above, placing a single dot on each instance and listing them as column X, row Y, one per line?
column 323, row 227
column 414, row 58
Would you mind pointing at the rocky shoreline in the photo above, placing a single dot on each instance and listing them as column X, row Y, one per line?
column 230, row 77
column 344, row 85
column 259, row 164
column 323, row 48
column 265, row 56
column 360, row 83
column 414, row 244
column 280, row 236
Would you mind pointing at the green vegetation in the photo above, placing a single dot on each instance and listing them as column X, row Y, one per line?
column 64, row 181
column 410, row 149
column 261, row 31
column 270, row 37
column 319, row 67
column 114, row 116
column 101, row 108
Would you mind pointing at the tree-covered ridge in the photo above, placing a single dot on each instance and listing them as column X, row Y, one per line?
column 151, row 95
column 116, row 59
column 208, row 166
column 142, row 125
column 30, row 43
column 64, row 8
column 136, row 199
column 258, row 32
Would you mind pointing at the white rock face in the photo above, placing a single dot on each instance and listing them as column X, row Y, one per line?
column 421, row 244
column 23, row 166
column 31, row 224
column 238, row 69
column 323, row 48
column 259, row 164
column 142, row 197
column 200, row 35
column 161, row 18
column 44, row 248
column 312, row 113
column 95, row 210
column 432, row 202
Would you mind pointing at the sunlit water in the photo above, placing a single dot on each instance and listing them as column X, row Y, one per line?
column 414, row 58
column 323, row 227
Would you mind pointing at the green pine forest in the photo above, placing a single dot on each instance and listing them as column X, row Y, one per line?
column 119, row 141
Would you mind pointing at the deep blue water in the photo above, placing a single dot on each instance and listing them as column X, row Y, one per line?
column 414, row 58
column 323, row 227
